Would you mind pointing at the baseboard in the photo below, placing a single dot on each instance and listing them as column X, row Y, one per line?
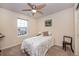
column 10, row 46
column 58, row 44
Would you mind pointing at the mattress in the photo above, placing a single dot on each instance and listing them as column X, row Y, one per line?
column 37, row 46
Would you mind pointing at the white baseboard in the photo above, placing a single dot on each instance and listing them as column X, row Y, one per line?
column 10, row 46
column 58, row 44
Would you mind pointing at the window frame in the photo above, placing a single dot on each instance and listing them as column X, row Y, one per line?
column 26, row 30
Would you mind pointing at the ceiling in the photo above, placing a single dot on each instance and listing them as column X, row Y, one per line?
column 50, row 8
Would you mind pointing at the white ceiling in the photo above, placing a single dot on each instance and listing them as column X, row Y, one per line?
column 50, row 8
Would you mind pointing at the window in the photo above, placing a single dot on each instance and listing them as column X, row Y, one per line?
column 21, row 27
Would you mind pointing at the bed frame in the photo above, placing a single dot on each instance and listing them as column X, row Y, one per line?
column 26, row 53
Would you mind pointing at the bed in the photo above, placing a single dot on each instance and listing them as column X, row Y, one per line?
column 37, row 46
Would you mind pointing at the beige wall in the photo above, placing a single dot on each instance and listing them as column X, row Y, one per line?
column 77, row 32
column 62, row 24
column 8, row 27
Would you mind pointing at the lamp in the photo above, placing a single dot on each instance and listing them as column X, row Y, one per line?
column 34, row 11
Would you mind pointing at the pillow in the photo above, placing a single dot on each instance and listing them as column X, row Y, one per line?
column 50, row 33
column 38, row 34
column 45, row 33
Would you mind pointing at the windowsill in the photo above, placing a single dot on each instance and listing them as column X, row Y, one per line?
column 22, row 35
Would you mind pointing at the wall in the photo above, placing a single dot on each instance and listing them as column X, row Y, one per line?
column 63, row 24
column 76, row 31
column 8, row 27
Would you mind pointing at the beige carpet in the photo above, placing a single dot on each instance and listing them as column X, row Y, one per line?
column 58, row 51
column 53, row 51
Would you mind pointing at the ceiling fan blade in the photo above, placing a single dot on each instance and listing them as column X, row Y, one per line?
column 26, row 10
column 40, row 12
column 38, row 7
column 30, row 5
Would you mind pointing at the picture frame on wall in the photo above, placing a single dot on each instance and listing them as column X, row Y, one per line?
column 48, row 23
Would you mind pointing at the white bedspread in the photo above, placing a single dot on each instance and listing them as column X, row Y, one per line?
column 37, row 46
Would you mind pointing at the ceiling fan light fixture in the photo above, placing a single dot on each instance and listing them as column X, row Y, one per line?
column 34, row 11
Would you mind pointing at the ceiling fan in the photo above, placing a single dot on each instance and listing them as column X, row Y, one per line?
column 35, row 8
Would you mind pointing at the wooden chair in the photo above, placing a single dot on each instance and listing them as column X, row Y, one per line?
column 67, row 40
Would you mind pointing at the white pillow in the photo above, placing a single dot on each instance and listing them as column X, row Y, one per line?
column 50, row 33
